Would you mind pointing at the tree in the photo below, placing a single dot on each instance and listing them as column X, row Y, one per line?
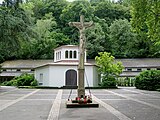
column 108, row 68
column 55, row 7
column 47, row 39
column 15, row 28
column 111, row 11
column 146, row 17
column 95, row 38
column 72, row 13
column 121, row 38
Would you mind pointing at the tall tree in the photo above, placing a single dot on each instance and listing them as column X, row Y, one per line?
column 146, row 17
column 111, row 11
column 55, row 7
column 95, row 40
column 15, row 27
column 72, row 13
column 121, row 38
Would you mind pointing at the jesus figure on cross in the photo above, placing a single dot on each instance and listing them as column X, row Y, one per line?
column 82, row 26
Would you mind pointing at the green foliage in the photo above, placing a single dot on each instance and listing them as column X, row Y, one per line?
column 9, row 83
column 72, row 14
column 108, row 69
column 146, row 17
column 15, row 28
column 32, row 29
column 23, row 80
column 121, row 38
column 95, row 40
column 110, row 11
column 34, row 83
column 108, row 82
column 148, row 80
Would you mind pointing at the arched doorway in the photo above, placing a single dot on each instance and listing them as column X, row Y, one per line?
column 71, row 78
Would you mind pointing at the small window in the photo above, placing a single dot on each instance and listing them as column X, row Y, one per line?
column 66, row 54
column 75, row 54
column 32, row 69
column 18, row 70
column 158, row 68
column 129, row 69
column 41, row 79
column 70, row 56
column 139, row 69
column 4, row 70
column 148, row 68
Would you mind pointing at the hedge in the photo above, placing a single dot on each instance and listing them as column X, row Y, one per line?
column 22, row 80
column 148, row 80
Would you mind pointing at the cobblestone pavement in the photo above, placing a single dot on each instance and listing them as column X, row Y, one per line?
column 49, row 104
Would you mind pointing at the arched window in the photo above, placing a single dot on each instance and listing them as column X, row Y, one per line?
column 58, row 56
column 70, row 56
column 66, row 54
column 75, row 54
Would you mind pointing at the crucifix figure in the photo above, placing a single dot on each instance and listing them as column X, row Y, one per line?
column 81, row 27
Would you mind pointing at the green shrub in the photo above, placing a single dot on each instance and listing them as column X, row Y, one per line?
column 108, row 82
column 23, row 80
column 34, row 83
column 148, row 80
column 9, row 83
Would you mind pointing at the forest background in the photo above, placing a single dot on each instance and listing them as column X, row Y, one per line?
column 125, row 28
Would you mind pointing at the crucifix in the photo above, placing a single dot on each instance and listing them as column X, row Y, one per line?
column 82, row 26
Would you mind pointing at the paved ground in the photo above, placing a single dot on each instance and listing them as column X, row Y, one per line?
column 45, row 104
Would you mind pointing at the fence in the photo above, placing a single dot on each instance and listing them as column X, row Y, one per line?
column 128, row 82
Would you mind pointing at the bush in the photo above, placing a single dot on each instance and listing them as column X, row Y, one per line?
column 23, row 80
column 34, row 83
column 108, row 82
column 9, row 83
column 148, row 80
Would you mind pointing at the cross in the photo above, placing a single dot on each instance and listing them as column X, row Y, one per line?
column 81, row 27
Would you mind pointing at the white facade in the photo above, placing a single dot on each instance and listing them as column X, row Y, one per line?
column 64, row 70
column 55, row 75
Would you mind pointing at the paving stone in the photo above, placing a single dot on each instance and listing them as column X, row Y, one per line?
column 129, row 103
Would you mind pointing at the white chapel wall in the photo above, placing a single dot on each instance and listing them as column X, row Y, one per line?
column 43, row 71
column 58, row 74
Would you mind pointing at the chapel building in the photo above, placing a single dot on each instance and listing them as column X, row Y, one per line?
column 63, row 71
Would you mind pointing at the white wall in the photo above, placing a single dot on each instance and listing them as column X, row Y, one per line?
column 54, row 76
column 88, row 76
column 45, row 71
column 96, row 77
column 57, row 75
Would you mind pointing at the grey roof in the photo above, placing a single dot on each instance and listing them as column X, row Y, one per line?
column 132, row 63
column 7, row 74
column 31, row 64
column 24, row 63
column 141, row 62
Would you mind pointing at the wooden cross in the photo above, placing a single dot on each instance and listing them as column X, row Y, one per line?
column 81, row 27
